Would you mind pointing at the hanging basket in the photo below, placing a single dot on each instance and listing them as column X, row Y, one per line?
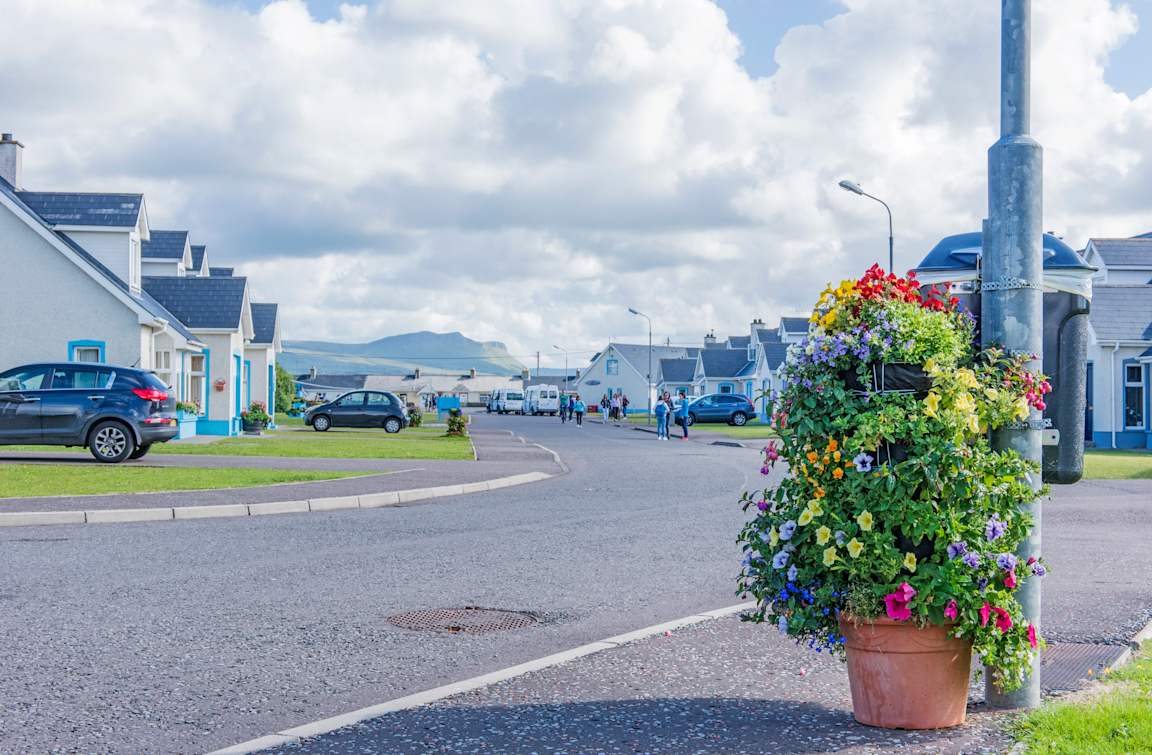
column 898, row 377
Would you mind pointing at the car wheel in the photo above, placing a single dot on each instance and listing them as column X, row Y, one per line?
column 141, row 451
column 691, row 419
column 739, row 419
column 111, row 442
column 321, row 424
column 392, row 425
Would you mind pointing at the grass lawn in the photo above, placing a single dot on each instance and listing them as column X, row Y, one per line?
column 1117, row 465
column 1114, row 717
column 21, row 480
column 334, row 444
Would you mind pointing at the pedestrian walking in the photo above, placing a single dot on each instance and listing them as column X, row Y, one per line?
column 579, row 407
column 624, row 407
column 604, row 406
column 615, row 406
column 661, row 411
column 563, row 408
column 682, row 414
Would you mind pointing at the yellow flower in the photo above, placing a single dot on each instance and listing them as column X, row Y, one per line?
column 854, row 547
column 974, row 424
column 931, row 368
column 805, row 517
column 836, row 455
column 910, row 561
column 819, row 492
column 964, row 403
column 837, row 473
column 826, row 460
column 967, row 378
column 832, row 445
column 992, row 394
column 812, row 456
column 828, row 319
column 865, row 520
column 815, row 507
column 830, row 556
column 823, row 535
column 1022, row 408
column 932, row 403
column 773, row 537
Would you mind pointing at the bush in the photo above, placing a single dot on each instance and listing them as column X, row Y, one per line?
column 457, row 423
column 188, row 407
column 415, row 416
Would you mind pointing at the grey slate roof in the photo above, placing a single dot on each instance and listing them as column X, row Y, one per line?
column 795, row 324
column 739, row 342
column 775, row 353
column 339, row 382
column 220, row 272
column 725, row 363
column 1122, row 312
column 264, row 322
column 197, row 256
column 164, row 245
column 676, row 371
column 769, row 336
column 201, row 302
column 142, row 298
column 637, row 355
column 76, row 208
column 1134, row 251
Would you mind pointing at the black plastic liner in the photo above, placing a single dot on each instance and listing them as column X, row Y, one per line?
column 898, row 377
column 891, row 453
column 923, row 549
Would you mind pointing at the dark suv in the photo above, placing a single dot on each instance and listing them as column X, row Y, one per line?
column 721, row 407
column 117, row 412
column 360, row 409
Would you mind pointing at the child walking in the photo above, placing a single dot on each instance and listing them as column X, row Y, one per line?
column 579, row 408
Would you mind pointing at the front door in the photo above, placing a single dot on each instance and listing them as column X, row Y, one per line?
column 21, row 391
column 77, row 394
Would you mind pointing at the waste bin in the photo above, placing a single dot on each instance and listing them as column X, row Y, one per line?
column 1067, row 295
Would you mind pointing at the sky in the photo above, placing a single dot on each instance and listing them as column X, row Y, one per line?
column 527, row 170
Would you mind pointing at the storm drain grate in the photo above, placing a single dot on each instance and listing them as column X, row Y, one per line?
column 470, row 620
column 1070, row 665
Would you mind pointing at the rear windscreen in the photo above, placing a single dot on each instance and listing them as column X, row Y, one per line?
column 515, row 396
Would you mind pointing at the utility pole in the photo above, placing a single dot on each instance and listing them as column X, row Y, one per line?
column 537, row 364
column 1011, row 282
column 649, row 376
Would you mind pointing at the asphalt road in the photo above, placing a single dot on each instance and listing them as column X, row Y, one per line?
column 187, row 636
column 193, row 635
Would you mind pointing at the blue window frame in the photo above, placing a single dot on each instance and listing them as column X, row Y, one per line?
column 726, row 388
column 1135, row 414
column 612, row 367
column 82, row 351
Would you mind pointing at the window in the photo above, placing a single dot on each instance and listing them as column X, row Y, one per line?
column 86, row 354
column 195, row 392
column 163, row 366
column 514, row 396
column 352, row 399
column 612, row 367
column 23, row 379
column 1133, row 397
column 81, row 378
column 378, row 400
column 726, row 388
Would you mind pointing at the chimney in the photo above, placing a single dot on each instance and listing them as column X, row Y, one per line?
column 472, row 372
column 312, row 373
column 416, row 373
column 525, row 374
column 11, row 160
column 757, row 323
column 710, row 339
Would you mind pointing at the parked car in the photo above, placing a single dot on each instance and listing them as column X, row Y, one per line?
column 721, row 407
column 116, row 412
column 360, row 409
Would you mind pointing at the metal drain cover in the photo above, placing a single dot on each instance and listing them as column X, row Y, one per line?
column 470, row 620
column 1069, row 666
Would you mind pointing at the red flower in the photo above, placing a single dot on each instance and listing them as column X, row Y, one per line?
column 1032, row 636
column 985, row 612
column 1003, row 620
column 1010, row 580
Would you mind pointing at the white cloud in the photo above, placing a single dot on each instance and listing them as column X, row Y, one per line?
column 524, row 171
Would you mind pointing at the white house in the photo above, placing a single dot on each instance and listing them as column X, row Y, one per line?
column 623, row 368
column 260, row 355
column 1120, row 343
column 82, row 295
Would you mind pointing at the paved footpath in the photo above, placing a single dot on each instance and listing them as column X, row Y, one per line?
column 499, row 454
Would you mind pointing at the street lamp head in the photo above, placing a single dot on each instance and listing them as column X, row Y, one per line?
column 851, row 186
column 557, row 347
column 633, row 311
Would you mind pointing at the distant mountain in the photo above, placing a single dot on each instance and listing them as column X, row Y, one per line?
column 399, row 355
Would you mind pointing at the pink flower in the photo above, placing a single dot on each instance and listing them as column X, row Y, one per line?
column 1003, row 620
column 896, row 604
column 985, row 612
column 1032, row 636
column 1010, row 580
column 950, row 611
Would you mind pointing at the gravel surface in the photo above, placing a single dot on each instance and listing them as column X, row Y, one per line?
column 191, row 635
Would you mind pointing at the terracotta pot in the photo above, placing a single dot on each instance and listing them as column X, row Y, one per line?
column 904, row 676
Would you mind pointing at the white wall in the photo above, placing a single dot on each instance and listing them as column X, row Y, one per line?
column 261, row 357
column 161, row 267
column 628, row 380
column 113, row 248
column 222, row 346
column 53, row 301
column 1107, row 385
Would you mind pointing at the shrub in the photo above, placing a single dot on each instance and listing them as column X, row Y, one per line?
column 457, row 423
column 257, row 412
column 415, row 416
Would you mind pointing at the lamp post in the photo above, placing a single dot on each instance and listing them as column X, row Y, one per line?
column 565, row 365
column 649, row 391
column 854, row 187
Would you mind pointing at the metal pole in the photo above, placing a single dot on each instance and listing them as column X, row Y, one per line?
column 649, row 372
column 1012, row 296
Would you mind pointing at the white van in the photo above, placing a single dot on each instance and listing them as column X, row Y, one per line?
column 542, row 399
column 509, row 402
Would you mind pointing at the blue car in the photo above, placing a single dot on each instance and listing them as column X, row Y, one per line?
column 721, row 407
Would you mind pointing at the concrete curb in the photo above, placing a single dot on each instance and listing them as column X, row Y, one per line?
column 170, row 513
column 324, row 726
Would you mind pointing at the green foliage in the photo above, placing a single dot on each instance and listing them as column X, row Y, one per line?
column 891, row 495
column 415, row 416
column 457, row 423
column 88, row 479
column 256, row 412
column 188, row 407
column 285, row 389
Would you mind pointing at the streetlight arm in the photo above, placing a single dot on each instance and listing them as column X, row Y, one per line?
column 891, row 262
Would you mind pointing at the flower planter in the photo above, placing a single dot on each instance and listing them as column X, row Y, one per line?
column 904, row 676
column 252, row 427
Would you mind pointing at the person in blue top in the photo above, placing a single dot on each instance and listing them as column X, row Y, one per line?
column 661, row 411
column 578, row 407
column 682, row 414
column 563, row 408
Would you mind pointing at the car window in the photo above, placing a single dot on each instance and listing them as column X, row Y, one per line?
column 82, row 378
column 730, row 400
column 352, row 399
column 23, row 379
column 378, row 400
column 707, row 401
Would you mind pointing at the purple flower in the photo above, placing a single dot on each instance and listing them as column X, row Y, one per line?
column 765, row 470
column 782, row 625
column 1038, row 569
column 840, row 535
column 787, row 529
column 995, row 528
column 780, row 560
column 972, row 560
column 793, row 572
column 955, row 550
column 762, row 505
column 1006, row 561
column 982, row 583
column 863, row 462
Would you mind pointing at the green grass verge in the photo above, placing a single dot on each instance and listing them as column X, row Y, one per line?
column 1117, row 465
column 24, row 480
column 334, row 444
column 1112, row 719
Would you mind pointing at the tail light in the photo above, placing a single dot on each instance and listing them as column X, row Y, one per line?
column 151, row 394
